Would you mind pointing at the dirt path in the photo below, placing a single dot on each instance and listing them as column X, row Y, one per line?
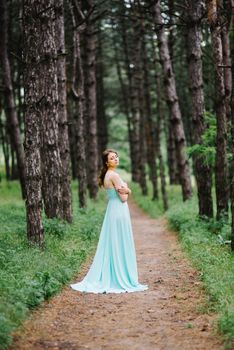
column 164, row 317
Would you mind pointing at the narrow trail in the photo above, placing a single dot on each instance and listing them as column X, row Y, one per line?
column 164, row 317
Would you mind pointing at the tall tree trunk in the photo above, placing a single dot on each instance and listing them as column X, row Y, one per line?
column 62, row 114
column 135, row 80
column 5, row 147
column 158, row 128
column 102, row 122
column 173, row 103
column 163, row 180
column 133, row 119
column 149, row 129
column 203, row 172
column 124, row 93
column 232, row 144
column 90, row 48
column 14, row 172
column 142, row 154
column 171, row 153
column 227, row 9
column 232, row 177
column 142, row 135
column 32, row 17
column 221, row 185
column 20, row 107
column 171, row 157
column 48, row 100
column 79, row 100
column 72, row 135
column 9, row 101
column 171, row 37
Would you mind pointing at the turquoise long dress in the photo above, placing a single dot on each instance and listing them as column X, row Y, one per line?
column 114, row 267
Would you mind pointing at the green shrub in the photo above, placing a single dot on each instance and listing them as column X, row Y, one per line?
column 226, row 323
column 55, row 227
column 5, row 332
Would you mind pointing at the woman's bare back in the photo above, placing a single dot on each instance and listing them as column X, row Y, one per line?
column 108, row 183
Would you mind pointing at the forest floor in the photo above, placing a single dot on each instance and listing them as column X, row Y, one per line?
column 167, row 316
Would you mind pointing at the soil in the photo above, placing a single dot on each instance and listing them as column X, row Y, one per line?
column 164, row 317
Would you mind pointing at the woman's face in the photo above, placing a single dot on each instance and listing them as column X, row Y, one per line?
column 113, row 160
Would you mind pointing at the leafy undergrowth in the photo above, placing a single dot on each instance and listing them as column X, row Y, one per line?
column 28, row 275
column 207, row 243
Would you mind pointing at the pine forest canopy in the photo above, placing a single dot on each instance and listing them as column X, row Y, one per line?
column 153, row 79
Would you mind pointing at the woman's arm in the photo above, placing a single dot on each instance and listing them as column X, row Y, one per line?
column 127, row 188
column 124, row 190
column 117, row 182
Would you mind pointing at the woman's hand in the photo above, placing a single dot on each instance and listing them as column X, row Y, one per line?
column 124, row 190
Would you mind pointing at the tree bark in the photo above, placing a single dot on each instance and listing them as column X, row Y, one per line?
column 102, row 122
column 133, row 119
column 171, row 37
column 142, row 155
column 227, row 8
column 142, row 134
column 124, row 93
column 158, row 128
column 135, row 80
column 171, row 154
column 232, row 176
column 62, row 114
column 5, row 146
column 33, row 118
column 203, row 172
column 89, row 63
column 173, row 103
column 149, row 129
column 46, row 55
column 9, row 100
column 72, row 135
column 232, row 143
column 79, row 101
column 14, row 170
column 221, row 185
column 171, row 157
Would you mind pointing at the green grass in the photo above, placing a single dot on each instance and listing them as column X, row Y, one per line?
column 207, row 245
column 28, row 276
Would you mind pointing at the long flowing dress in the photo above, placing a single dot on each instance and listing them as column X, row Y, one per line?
column 114, row 267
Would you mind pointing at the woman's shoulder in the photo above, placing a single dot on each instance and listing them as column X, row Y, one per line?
column 110, row 176
column 112, row 173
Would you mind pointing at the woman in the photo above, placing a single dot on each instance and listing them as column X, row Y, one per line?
column 114, row 268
